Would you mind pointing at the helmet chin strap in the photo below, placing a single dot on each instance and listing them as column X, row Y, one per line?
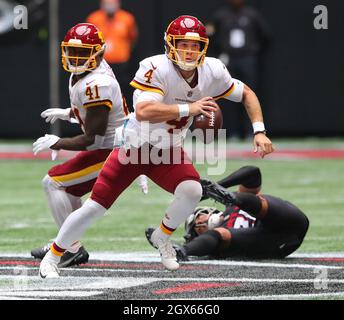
column 186, row 66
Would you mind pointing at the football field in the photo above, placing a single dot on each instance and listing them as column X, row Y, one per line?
column 117, row 243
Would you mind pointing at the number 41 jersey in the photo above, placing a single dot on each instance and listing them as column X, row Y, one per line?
column 158, row 79
column 99, row 88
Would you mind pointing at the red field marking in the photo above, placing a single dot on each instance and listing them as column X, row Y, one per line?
column 291, row 154
column 326, row 259
column 18, row 263
column 30, row 155
column 232, row 154
column 195, row 286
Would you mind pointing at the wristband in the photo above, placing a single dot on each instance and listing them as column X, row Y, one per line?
column 258, row 127
column 183, row 110
column 263, row 132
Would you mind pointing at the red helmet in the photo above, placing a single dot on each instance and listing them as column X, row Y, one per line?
column 80, row 47
column 186, row 28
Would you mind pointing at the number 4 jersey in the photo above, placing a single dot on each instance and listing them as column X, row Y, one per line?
column 99, row 88
column 159, row 80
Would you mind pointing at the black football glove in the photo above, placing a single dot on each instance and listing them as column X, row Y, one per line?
column 214, row 191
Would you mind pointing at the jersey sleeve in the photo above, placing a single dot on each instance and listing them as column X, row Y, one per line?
column 99, row 92
column 148, row 77
column 228, row 87
column 237, row 92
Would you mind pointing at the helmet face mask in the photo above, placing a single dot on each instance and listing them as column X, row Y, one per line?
column 210, row 219
column 82, row 48
column 186, row 29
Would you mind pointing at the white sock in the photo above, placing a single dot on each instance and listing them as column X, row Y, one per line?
column 77, row 222
column 186, row 197
column 160, row 234
column 52, row 257
column 74, row 248
column 60, row 202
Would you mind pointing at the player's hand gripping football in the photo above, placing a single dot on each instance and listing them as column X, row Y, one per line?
column 51, row 115
column 44, row 143
column 262, row 144
column 202, row 106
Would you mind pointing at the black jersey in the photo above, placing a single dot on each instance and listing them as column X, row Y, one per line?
column 237, row 218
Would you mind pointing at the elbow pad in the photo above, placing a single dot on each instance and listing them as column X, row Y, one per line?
column 97, row 144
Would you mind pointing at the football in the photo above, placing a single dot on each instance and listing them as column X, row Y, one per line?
column 209, row 126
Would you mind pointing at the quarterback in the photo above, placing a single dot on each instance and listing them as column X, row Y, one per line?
column 97, row 105
column 170, row 90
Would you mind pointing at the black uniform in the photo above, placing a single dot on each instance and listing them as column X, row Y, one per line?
column 279, row 233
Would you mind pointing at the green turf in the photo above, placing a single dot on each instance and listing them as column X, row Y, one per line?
column 313, row 185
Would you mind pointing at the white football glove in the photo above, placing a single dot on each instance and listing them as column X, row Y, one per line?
column 53, row 114
column 44, row 143
column 143, row 183
column 215, row 220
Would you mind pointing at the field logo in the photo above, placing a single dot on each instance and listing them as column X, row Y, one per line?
column 20, row 17
column 321, row 280
column 321, row 20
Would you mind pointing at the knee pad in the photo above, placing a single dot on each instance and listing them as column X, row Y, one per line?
column 191, row 189
column 249, row 203
column 93, row 209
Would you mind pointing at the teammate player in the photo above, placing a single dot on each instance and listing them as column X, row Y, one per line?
column 98, row 106
column 253, row 225
column 170, row 89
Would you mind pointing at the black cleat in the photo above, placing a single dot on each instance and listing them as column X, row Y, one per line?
column 181, row 253
column 148, row 233
column 40, row 252
column 67, row 260
column 71, row 259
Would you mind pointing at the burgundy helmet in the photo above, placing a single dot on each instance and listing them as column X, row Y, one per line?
column 80, row 47
column 186, row 28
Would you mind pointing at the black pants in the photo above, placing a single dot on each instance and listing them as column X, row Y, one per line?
column 279, row 234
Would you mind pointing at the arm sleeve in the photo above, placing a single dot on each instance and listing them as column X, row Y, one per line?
column 228, row 87
column 248, row 176
column 148, row 78
column 236, row 94
column 140, row 96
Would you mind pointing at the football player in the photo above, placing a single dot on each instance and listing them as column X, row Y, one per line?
column 97, row 105
column 253, row 225
column 171, row 88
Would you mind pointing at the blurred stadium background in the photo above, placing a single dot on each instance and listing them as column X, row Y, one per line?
column 301, row 90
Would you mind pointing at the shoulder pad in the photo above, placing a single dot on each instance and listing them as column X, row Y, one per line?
column 155, row 62
column 101, row 80
column 216, row 66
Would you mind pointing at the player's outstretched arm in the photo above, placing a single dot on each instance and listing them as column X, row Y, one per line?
column 261, row 142
column 248, row 176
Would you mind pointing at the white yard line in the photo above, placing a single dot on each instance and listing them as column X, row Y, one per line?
column 13, row 295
